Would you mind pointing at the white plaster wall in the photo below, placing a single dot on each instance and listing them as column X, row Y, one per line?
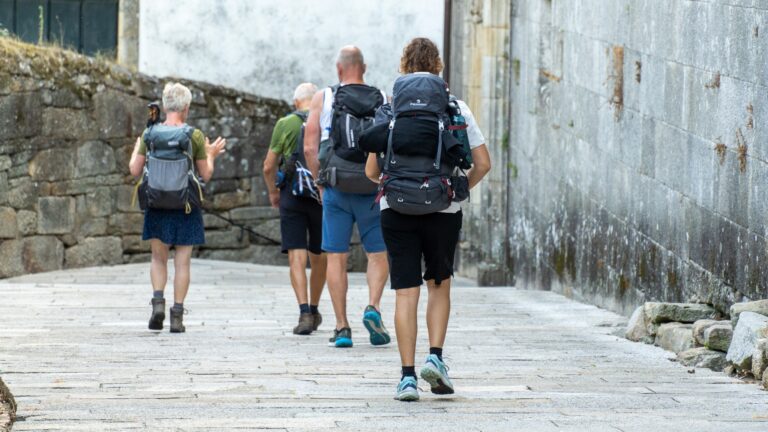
column 268, row 47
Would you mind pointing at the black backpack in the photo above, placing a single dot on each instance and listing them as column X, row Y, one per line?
column 354, row 108
column 296, row 175
column 421, row 152
column 169, row 181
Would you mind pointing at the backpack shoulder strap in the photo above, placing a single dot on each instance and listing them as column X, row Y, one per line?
column 149, row 142
column 330, row 92
column 188, row 131
column 301, row 114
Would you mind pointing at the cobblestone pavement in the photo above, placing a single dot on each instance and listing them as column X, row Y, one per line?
column 75, row 351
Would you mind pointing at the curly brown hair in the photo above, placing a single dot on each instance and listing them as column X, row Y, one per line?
column 421, row 55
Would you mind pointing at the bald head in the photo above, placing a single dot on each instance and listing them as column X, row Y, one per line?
column 350, row 56
column 350, row 64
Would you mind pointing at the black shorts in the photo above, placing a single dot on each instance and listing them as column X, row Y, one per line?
column 432, row 237
column 302, row 228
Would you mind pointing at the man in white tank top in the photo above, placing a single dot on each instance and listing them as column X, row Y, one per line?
column 342, row 210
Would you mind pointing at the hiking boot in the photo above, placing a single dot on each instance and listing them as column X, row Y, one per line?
column 306, row 324
column 341, row 338
column 435, row 372
column 158, row 314
column 177, row 321
column 375, row 326
column 318, row 320
column 407, row 391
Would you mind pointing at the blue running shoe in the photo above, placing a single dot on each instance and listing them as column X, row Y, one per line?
column 435, row 372
column 375, row 326
column 407, row 391
column 341, row 338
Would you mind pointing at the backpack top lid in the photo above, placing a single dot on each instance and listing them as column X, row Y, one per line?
column 423, row 92
column 169, row 142
column 360, row 100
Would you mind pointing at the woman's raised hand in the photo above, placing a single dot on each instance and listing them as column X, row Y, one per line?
column 215, row 149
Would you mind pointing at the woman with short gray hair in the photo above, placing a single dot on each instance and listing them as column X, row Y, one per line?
column 169, row 222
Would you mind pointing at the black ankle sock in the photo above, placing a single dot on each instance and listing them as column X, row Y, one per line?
column 178, row 306
column 304, row 308
column 157, row 294
column 313, row 309
column 409, row 371
column 436, row 351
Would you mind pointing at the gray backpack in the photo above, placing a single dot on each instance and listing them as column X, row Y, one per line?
column 169, row 181
column 414, row 180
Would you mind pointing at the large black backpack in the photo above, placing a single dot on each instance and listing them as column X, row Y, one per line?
column 421, row 153
column 296, row 175
column 354, row 108
column 169, row 181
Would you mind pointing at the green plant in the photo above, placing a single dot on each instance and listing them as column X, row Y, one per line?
column 4, row 31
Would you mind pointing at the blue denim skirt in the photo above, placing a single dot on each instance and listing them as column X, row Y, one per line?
column 174, row 227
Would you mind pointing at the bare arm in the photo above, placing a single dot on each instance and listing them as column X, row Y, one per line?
column 212, row 151
column 312, row 134
column 372, row 170
column 136, row 165
column 481, row 165
column 271, row 163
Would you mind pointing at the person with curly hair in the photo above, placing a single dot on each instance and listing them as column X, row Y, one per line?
column 431, row 238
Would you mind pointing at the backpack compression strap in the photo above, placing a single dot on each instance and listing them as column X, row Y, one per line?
column 435, row 164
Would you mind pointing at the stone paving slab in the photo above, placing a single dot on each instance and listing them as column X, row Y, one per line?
column 75, row 351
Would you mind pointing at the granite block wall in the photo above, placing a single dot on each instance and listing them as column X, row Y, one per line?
column 68, row 124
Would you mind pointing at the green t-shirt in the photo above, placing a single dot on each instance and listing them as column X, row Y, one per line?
column 198, row 145
column 284, row 135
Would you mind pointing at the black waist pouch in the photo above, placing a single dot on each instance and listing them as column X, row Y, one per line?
column 460, row 185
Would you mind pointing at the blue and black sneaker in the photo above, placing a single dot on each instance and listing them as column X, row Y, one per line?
column 407, row 391
column 435, row 372
column 341, row 338
column 375, row 326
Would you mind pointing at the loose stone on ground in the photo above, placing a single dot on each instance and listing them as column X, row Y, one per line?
column 760, row 358
column 678, row 312
column 703, row 358
column 757, row 306
column 718, row 337
column 751, row 327
column 675, row 337
column 699, row 327
column 7, row 407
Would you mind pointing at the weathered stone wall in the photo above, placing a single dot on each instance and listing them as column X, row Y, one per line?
column 638, row 159
column 68, row 124
column 480, row 75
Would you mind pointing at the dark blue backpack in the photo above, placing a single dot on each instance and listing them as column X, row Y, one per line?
column 417, row 176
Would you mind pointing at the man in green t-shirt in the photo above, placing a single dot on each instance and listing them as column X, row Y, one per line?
column 300, row 218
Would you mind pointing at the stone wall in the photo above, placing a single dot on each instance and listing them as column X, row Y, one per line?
column 638, row 159
column 67, row 128
column 480, row 75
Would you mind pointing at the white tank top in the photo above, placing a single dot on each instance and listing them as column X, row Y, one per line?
column 325, row 114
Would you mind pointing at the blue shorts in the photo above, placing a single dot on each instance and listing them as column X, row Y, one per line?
column 341, row 211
